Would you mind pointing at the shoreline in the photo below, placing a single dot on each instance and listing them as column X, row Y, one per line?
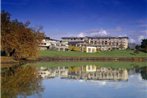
column 6, row 63
column 68, row 59
column 75, row 58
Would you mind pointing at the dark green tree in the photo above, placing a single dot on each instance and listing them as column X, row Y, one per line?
column 144, row 45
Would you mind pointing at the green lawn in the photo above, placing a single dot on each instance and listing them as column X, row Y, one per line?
column 127, row 65
column 114, row 53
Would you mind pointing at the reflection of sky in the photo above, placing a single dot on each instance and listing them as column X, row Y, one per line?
column 135, row 87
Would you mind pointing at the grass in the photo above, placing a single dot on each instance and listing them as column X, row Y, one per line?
column 126, row 65
column 114, row 53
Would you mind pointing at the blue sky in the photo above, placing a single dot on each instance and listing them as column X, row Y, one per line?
column 83, row 17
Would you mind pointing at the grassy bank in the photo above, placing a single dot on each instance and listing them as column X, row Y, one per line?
column 114, row 53
column 127, row 65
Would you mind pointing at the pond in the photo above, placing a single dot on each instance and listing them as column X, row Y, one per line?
column 87, row 81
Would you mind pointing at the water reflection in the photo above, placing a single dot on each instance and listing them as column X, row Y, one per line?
column 89, row 72
column 79, row 81
column 21, row 81
column 93, row 82
column 143, row 72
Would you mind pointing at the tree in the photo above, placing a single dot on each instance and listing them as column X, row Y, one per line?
column 137, row 49
column 22, row 81
column 144, row 45
column 74, row 48
column 18, row 39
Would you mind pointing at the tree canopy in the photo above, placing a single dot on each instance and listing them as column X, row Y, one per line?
column 144, row 45
column 18, row 39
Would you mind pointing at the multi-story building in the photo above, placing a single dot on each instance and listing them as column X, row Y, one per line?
column 101, row 43
column 52, row 44
column 73, row 39
column 47, row 43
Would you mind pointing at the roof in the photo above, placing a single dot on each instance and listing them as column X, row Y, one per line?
column 50, row 39
column 46, row 37
column 54, row 40
column 71, row 37
column 75, row 42
column 106, row 37
column 95, row 37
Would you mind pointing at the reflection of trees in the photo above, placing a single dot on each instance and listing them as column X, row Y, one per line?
column 23, row 82
column 144, row 73
column 74, row 69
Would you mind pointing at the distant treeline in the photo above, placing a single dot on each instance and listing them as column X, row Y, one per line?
column 18, row 39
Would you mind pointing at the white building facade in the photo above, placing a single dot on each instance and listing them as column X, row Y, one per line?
column 101, row 43
column 90, row 49
column 51, row 44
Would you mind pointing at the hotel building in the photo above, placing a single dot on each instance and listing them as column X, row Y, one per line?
column 101, row 43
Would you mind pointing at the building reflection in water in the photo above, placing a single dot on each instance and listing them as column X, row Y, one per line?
column 88, row 72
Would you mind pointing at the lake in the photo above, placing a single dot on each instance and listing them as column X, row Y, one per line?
column 86, row 81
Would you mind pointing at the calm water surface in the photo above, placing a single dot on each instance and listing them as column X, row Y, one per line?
column 86, row 82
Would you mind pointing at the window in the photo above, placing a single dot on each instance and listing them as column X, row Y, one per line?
column 91, row 42
column 110, row 43
column 105, row 42
column 95, row 42
column 102, row 42
column 44, row 43
column 116, row 43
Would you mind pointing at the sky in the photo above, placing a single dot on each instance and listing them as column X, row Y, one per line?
column 64, row 18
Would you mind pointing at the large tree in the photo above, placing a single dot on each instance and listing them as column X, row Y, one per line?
column 144, row 45
column 18, row 39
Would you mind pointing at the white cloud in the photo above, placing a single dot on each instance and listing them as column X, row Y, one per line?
column 81, row 34
column 101, row 32
column 140, row 38
column 100, row 83
column 131, row 40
